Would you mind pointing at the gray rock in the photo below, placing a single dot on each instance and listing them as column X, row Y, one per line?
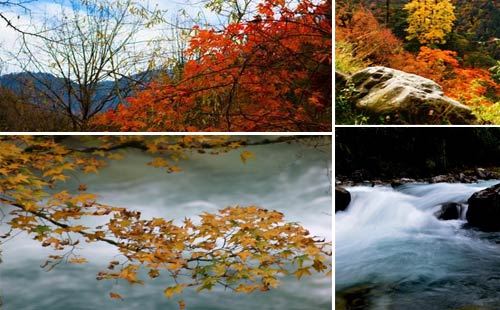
column 342, row 199
column 481, row 172
column 442, row 179
column 400, row 97
column 484, row 209
column 450, row 211
column 401, row 181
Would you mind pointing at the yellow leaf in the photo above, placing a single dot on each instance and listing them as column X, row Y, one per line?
column 182, row 305
column 246, row 155
column 173, row 290
column 244, row 255
column 244, row 288
column 90, row 169
column 301, row 272
column 115, row 295
column 20, row 178
column 159, row 162
column 60, row 177
column 115, row 156
column 78, row 260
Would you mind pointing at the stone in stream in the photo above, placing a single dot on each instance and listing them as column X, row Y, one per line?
column 484, row 209
column 402, row 181
column 450, row 211
column 342, row 199
column 400, row 97
column 443, row 179
column 356, row 297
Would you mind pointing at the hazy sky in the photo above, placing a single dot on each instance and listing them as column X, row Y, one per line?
column 40, row 9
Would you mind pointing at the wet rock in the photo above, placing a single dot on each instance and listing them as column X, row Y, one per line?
column 485, row 174
column 450, row 211
column 400, row 97
column 360, row 175
column 342, row 199
column 484, row 209
column 357, row 297
column 398, row 182
column 481, row 173
column 443, row 179
column 465, row 178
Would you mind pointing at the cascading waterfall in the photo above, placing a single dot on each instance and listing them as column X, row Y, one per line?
column 390, row 241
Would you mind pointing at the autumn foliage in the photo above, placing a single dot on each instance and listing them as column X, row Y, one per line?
column 430, row 20
column 469, row 85
column 271, row 73
column 243, row 248
column 375, row 44
column 372, row 42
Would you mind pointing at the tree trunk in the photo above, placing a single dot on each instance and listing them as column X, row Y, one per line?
column 387, row 11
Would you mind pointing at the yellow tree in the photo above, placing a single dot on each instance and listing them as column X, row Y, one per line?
column 242, row 248
column 429, row 20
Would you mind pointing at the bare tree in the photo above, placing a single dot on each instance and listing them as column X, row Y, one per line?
column 95, row 51
column 13, row 4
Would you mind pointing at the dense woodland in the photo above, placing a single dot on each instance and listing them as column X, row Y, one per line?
column 265, row 65
column 415, row 152
column 455, row 43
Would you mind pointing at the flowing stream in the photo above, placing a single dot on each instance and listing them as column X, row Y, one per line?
column 393, row 253
column 294, row 179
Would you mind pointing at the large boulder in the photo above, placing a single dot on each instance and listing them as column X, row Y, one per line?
column 484, row 209
column 342, row 199
column 399, row 97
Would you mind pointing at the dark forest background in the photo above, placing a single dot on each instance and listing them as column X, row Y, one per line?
column 415, row 152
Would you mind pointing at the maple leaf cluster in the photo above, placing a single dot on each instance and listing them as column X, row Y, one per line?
column 242, row 248
column 271, row 73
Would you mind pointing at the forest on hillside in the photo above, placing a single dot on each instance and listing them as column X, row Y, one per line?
column 126, row 65
column 453, row 43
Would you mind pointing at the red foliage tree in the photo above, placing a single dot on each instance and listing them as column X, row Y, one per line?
column 272, row 73
column 372, row 42
column 469, row 85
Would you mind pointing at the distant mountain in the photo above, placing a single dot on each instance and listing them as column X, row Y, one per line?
column 31, row 84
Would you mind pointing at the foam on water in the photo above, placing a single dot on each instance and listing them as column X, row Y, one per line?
column 391, row 239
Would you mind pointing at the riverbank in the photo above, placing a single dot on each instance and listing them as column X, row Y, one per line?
column 467, row 175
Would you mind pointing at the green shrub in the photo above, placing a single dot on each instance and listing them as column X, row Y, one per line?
column 345, row 111
column 488, row 114
column 345, row 61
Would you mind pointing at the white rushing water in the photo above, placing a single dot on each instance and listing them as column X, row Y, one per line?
column 293, row 179
column 391, row 242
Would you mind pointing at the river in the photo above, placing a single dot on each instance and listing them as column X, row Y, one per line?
column 292, row 178
column 393, row 253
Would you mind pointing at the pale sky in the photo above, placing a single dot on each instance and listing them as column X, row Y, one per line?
column 39, row 9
